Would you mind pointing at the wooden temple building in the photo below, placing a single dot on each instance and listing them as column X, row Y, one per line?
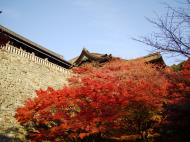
column 87, row 57
column 18, row 41
column 9, row 37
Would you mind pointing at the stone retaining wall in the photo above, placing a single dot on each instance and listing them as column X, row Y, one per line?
column 22, row 73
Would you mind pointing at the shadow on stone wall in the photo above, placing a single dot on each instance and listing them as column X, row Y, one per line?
column 4, row 138
column 12, row 135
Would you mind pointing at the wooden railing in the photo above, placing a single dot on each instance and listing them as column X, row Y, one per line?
column 31, row 56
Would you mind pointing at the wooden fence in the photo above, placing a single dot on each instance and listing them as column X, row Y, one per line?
column 31, row 56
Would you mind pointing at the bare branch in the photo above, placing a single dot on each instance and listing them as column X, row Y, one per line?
column 174, row 32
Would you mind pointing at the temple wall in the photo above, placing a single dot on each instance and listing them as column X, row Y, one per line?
column 22, row 73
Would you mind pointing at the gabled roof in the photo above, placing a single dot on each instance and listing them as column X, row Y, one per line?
column 28, row 45
column 86, row 56
column 155, row 58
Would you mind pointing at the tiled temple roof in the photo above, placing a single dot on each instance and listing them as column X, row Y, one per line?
column 86, row 56
column 29, row 46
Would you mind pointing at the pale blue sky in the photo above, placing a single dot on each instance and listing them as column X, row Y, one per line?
column 66, row 26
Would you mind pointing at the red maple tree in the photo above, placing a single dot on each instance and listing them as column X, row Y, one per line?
column 177, row 109
column 98, row 99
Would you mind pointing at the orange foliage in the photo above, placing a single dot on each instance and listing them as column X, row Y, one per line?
column 97, row 100
column 175, row 126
